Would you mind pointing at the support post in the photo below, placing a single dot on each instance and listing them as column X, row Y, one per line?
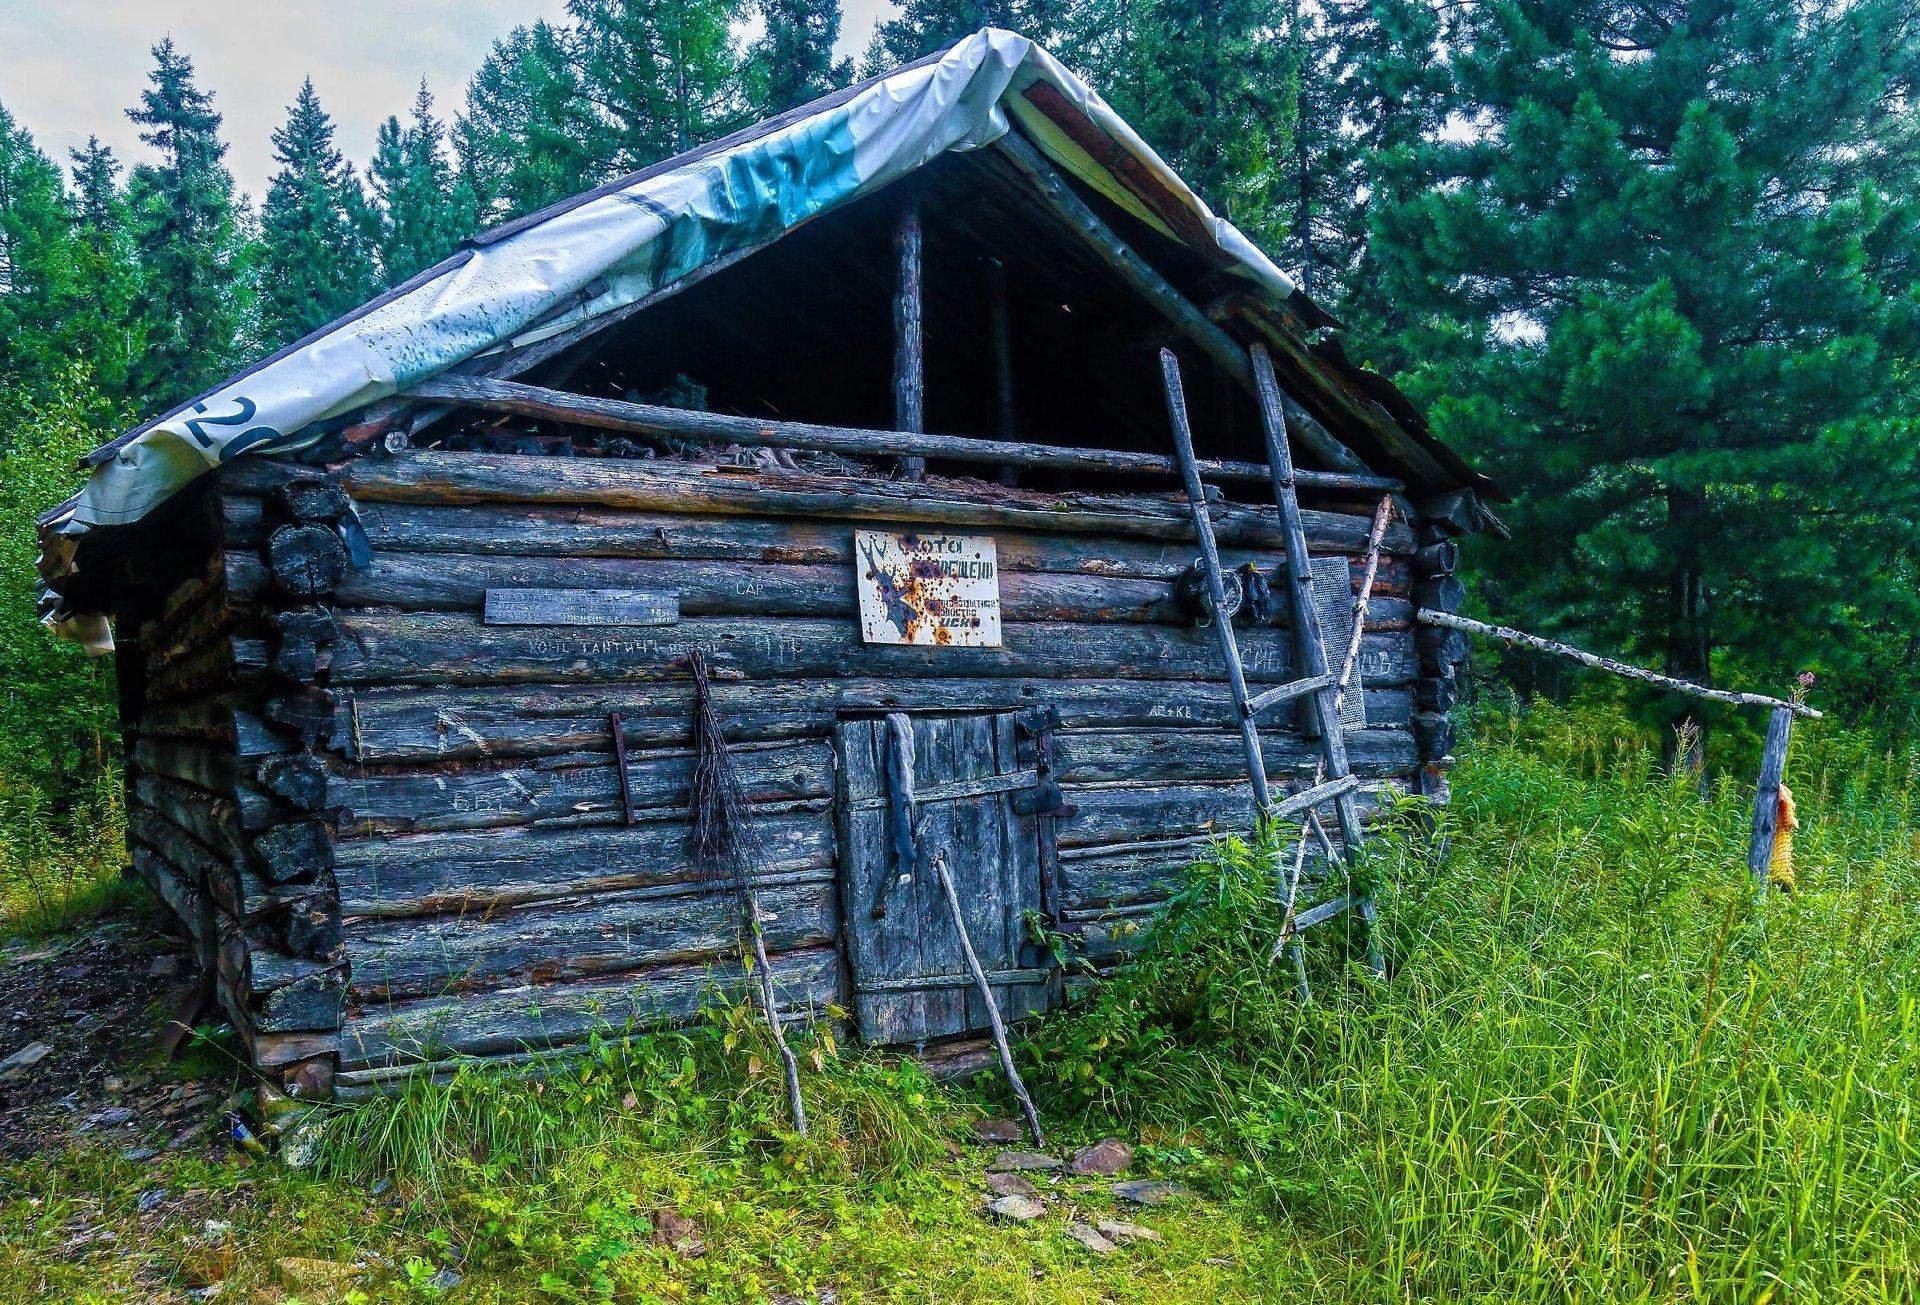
column 909, row 356
column 1000, row 339
column 1766, row 799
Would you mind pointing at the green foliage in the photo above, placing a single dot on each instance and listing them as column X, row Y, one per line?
column 1212, row 85
column 1601, row 1069
column 187, row 238
column 422, row 211
column 793, row 60
column 60, row 831
column 1666, row 292
column 314, row 264
column 525, row 139
column 923, row 26
column 663, row 75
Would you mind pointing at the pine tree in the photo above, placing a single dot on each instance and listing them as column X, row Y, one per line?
column 526, row 138
column 1210, row 85
column 793, row 61
column 423, row 212
column 1667, row 291
column 314, row 263
column 664, row 75
column 924, row 26
column 36, row 263
column 186, row 236
column 106, row 264
column 1370, row 89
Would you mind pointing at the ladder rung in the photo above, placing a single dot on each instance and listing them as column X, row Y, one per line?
column 1313, row 797
column 1322, row 913
column 1280, row 693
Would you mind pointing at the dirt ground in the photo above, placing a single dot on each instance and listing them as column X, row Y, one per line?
column 88, row 1010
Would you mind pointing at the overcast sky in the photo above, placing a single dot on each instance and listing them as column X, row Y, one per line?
column 69, row 68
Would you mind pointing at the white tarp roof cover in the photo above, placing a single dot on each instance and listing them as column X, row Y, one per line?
column 607, row 249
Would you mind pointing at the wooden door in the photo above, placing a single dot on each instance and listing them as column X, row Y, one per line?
column 910, row 979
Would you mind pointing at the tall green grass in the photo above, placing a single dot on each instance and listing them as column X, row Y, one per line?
column 1601, row 1071
column 57, row 872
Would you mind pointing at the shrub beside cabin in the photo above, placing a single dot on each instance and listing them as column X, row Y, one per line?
column 404, row 682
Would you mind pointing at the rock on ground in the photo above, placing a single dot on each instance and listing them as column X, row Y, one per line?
column 995, row 1130
column 1090, row 1238
column 1120, row 1231
column 1149, row 1191
column 1016, row 1209
column 1010, row 1185
column 1103, row 1159
column 1029, row 1160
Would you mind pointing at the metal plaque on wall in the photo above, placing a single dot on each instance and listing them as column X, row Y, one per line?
column 941, row 590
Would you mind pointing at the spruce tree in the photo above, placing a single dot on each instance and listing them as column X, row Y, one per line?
column 105, row 263
column 793, row 61
column 185, row 233
column 527, row 136
column 1210, row 85
column 664, row 75
column 923, row 26
column 313, row 263
column 1370, row 89
column 36, row 258
column 1666, row 290
column 422, row 211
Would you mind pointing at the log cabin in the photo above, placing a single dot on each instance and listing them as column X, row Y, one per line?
column 861, row 403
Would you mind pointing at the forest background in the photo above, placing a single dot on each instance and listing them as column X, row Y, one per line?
column 1652, row 264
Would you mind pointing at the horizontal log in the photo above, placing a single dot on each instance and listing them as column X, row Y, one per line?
column 381, row 646
column 547, row 530
column 571, row 789
column 425, row 873
column 543, row 404
column 555, row 1014
column 459, row 478
column 306, row 560
column 209, row 817
column 1179, row 755
column 609, row 932
column 459, row 582
column 217, row 773
column 215, row 722
column 389, row 725
column 278, row 993
column 1106, row 816
column 185, row 898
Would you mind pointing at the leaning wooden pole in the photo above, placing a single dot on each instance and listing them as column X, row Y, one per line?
column 1766, row 800
column 1000, row 1043
column 909, row 325
column 1216, row 587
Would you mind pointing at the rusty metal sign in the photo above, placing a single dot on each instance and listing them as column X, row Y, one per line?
column 941, row 590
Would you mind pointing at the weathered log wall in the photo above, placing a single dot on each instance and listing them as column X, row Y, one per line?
column 407, row 829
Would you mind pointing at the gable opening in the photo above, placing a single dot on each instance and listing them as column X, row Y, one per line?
column 803, row 330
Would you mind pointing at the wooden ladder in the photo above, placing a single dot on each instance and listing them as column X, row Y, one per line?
column 1318, row 686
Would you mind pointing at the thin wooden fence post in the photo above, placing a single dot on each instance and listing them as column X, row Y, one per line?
column 1766, row 799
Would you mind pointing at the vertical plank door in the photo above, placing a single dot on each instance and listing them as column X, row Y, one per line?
column 910, row 980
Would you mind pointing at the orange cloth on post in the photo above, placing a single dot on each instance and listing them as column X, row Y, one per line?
column 1780, row 865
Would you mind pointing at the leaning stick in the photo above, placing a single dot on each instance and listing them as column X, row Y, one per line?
column 1000, row 1043
column 722, row 838
column 1534, row 641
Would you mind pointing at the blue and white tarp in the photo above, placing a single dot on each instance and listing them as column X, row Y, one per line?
column 622, row 244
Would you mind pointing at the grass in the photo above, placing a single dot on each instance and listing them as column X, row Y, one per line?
column 56, row 874
column 1600, row 1072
